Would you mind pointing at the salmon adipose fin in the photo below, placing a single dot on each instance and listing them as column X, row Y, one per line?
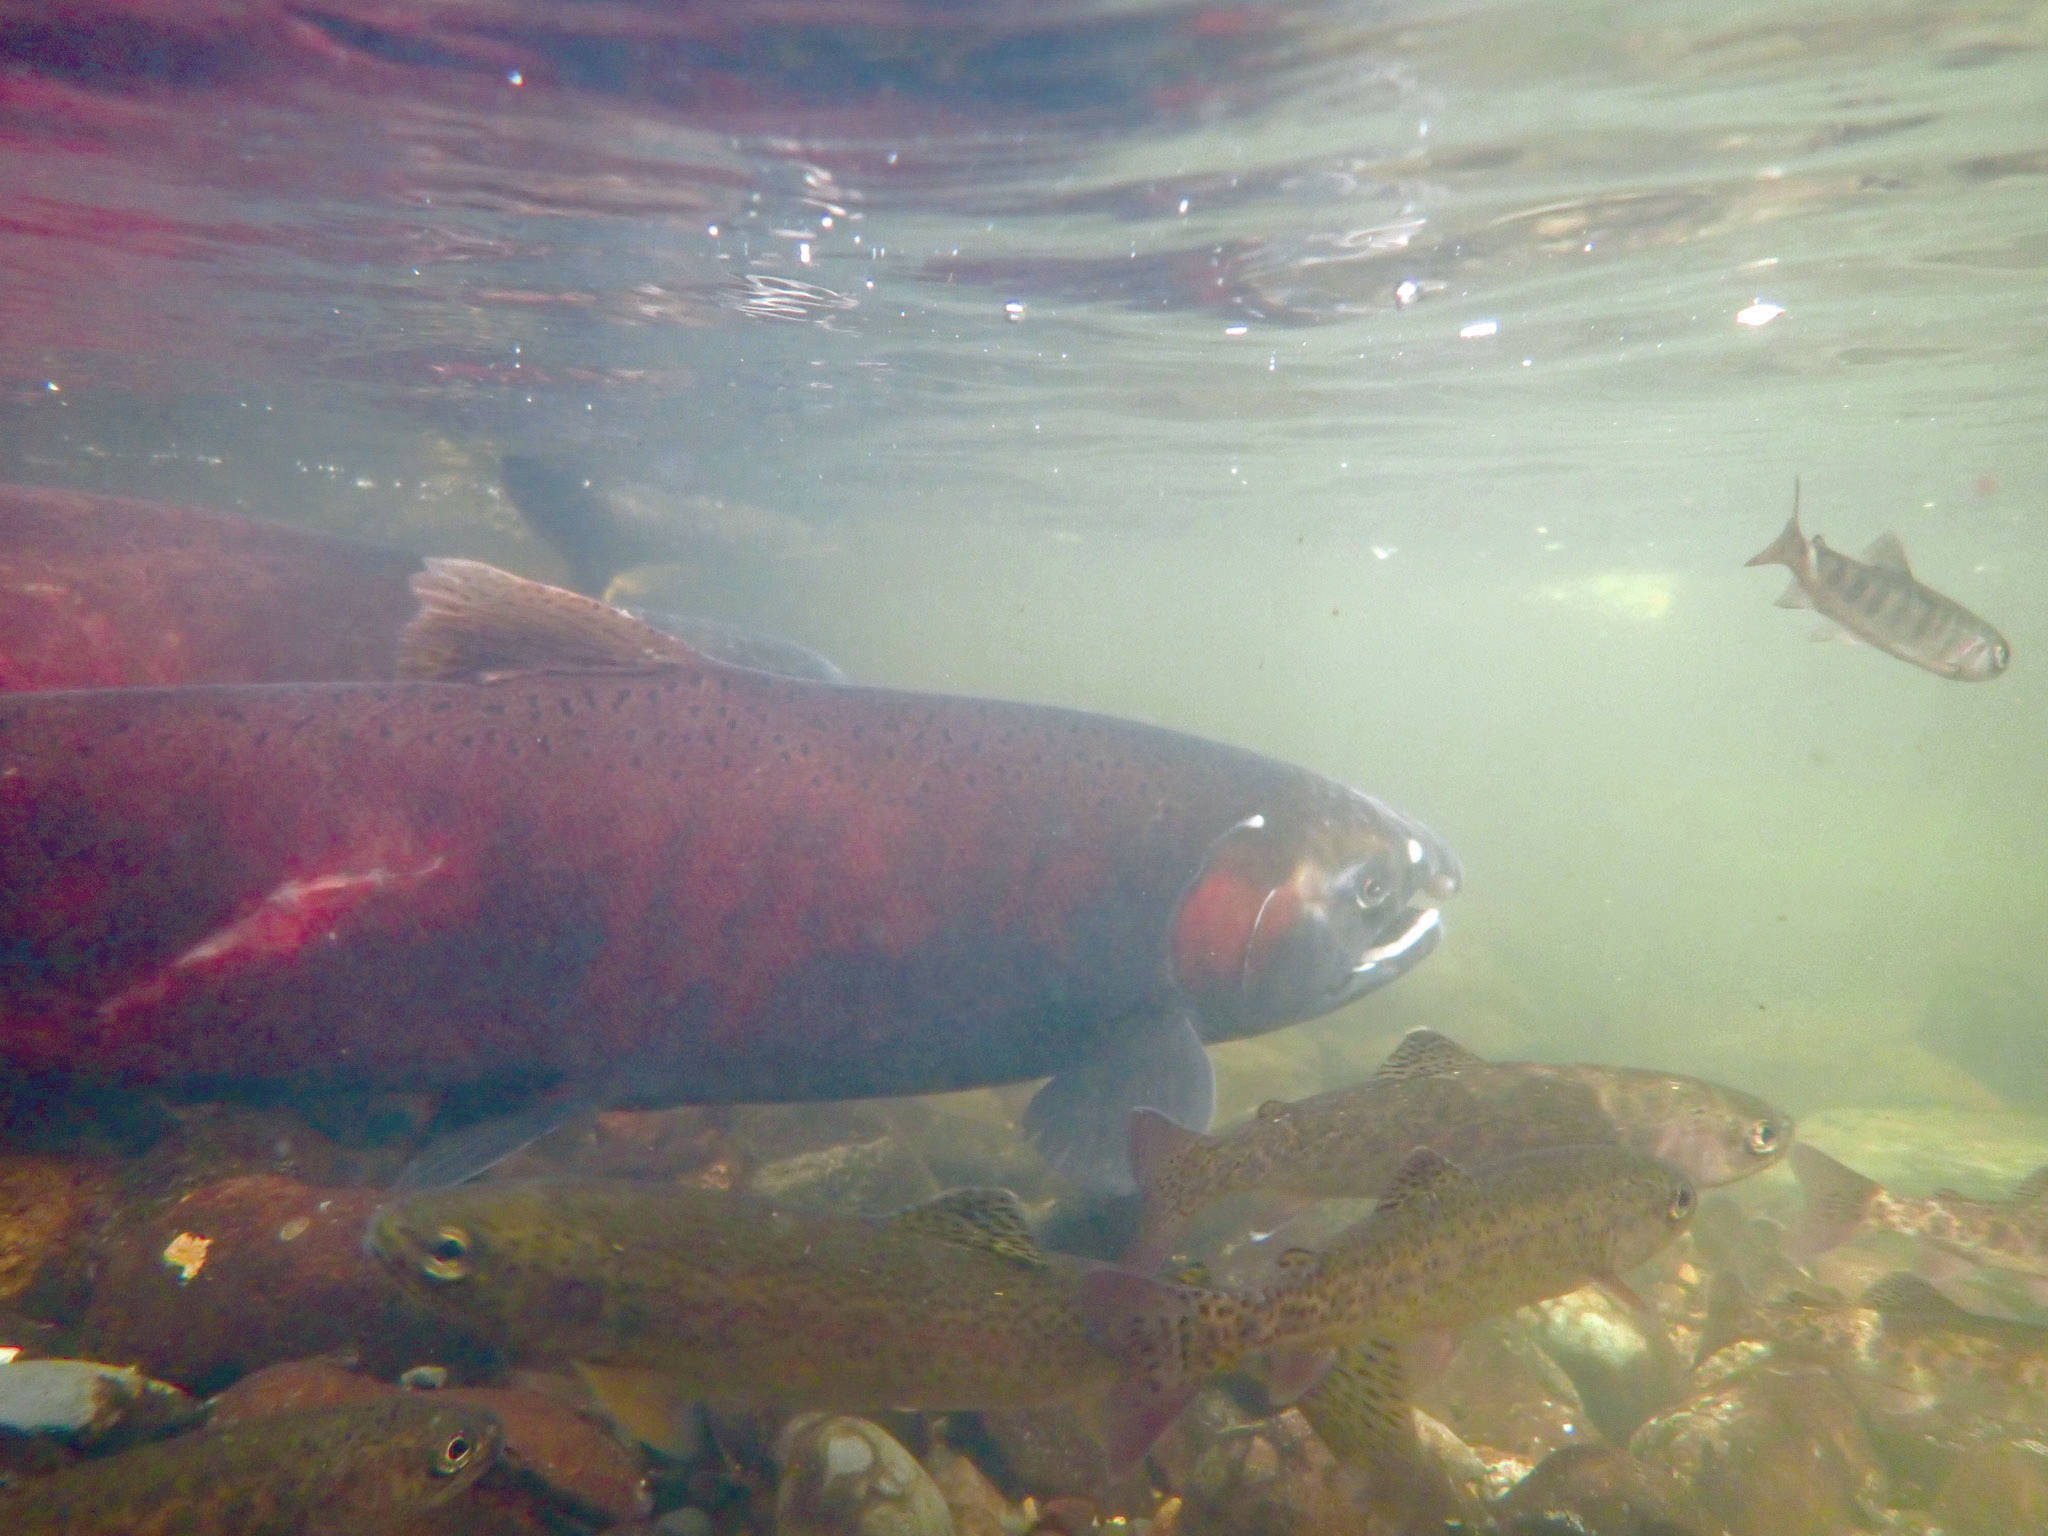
column 477, row 622
column 459, row 1156
column 1170, row 1340
column 1080, row 1120
column 1789, row 548
column 1837, row 1200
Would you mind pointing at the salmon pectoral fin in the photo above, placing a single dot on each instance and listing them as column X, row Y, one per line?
column 650, row 1406
column 477, row 622
column 1836, row 1201
column 1080, row 1120
column 458, row 1156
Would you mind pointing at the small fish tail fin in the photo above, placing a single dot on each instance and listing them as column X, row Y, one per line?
column 1838, row 1200
column 1168, row 1338
column 1789, row 548
column 1160, row 1149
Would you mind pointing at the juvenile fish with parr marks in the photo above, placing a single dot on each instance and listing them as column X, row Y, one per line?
column 1877, row 600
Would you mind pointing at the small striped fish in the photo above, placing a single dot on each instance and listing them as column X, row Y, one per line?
column 1876, row 599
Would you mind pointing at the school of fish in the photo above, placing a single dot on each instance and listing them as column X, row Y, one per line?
column 287, row 819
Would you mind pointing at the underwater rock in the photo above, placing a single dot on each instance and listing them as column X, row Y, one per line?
column 44, row 1203
column 88, row 1405
column 1051, row 1450
column 1499, row 1389
column 1596, row 1488
column 1622, row 1375
column 843, row 1476
column 977, row 1505
column 1771, row 1451
column 870, row 1177
column 250, row 1271
column 1995, row 1490
column 1278, row 1479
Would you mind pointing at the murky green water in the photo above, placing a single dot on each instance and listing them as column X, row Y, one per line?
column 1187, row 419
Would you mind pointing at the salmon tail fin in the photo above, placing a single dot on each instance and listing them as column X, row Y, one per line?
column 1160, row 1151
column 1838, row 1199
column 477, row 622
column 1169, row 1339
column 1789, row 548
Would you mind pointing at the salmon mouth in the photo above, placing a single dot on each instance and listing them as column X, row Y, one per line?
column 1419, row 935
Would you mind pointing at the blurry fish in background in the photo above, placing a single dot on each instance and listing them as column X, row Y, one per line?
column 2009, row 1234
column 1876, row 599
column 608, row 540
column 1348, row 1143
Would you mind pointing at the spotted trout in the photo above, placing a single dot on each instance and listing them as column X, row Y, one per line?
column 1432, row 1092
column 1840, row 1203
column 1443, row 1249
column 578, row 852
column 361, row 1470
column 949, row 1305
column 1877, row 600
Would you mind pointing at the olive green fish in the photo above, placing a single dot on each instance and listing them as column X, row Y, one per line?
column 1432, row 1092
column 1443, row 1249
column 949, row 1305
column 2009, row 1234
column 360, row 1470
column 1877, row 599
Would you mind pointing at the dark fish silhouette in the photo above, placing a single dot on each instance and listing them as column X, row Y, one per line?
column 1877, row 599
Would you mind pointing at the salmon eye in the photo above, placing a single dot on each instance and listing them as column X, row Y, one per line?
column 1682, row 1202
column 1763, row 1138
column 1372, row 890
column 455, row 1455
column 2000, row 655
column 447, row 1255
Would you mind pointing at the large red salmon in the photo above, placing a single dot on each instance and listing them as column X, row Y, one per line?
column 106, row 591
column 667, row 879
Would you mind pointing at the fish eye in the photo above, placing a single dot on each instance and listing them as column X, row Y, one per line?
column 1682, row 1202
column 1763, row 1138
column 2000, row 655
column 1371, row 891
column 455, row 1454
column 447, row 1255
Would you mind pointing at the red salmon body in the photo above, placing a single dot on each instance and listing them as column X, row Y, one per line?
column 104, row 591
column 723, row 884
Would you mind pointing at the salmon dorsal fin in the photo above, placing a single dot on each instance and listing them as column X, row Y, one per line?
column 1886, row 551
column 1425, row 1053
column 1425, row 1176
column 988, row 1219
column 476, row 622
column 1907, row 1297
